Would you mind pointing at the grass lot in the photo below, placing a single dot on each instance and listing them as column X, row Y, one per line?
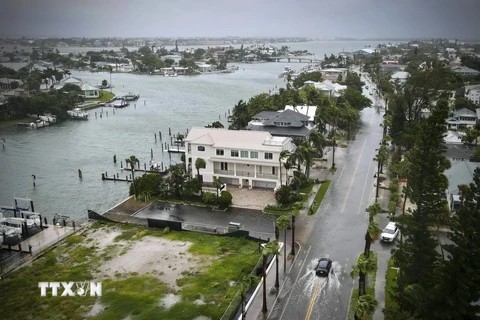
column 319, row 196
column 12, row 121
column 130, row 295
column 104, row 96
column 370, row 289
column 391, row 276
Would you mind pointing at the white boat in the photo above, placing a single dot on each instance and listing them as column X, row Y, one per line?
column 13, row 225
column 78, row 113
column 19, row 221
column 174, row 74
column 32, row 216
column 117, row 104
column 48, row 118
column 9, row 232
column 166, row 74
column 131, row 97
column 38, row 124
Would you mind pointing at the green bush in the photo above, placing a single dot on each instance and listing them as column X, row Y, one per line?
column 225, row 199
column 285, row 196
column 391, row 207
column 395, row 197
column 209, row 198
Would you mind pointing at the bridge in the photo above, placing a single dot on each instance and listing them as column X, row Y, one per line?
column 290, row 59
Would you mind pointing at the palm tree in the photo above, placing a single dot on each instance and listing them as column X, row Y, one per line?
column 403, row 171
column 297, row 206
column 318, row 141
column 306, row 154
column 217, row 182
column 373, row 231
column 246, row 283
column 361, row 269
column 132, row 161
column 268, row 249
column 200, row 164
column 366, row 305
column 285, row 154
column 282, row 223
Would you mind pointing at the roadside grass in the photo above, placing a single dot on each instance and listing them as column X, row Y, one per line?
column 333, row 170
column 319, row 196
column 104, row 96
column 13, row 121
column 133, row 295
column 370, row 284
column 391, row 282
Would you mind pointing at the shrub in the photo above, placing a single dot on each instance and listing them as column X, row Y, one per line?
column 285, row 196
column 166, row 230
column 209, row 198
column 225, row 199
column 395, row 197
column 391, row 207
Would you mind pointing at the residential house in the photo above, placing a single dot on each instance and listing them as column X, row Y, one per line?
column 327, row 87
column 401, row 76
column 461, row 172
column 308, row 111
column 390, row 67
column 250, row 58
column 6, row 83
column 453, row 137
column 466, row 71
column 173, row 70
column 462, row 118
column 88, row 91
column 19, row 92
column 287, row 123
column 473, row 93
column 240, row 157
column 458, row 152
column 332, row 74
column 204, row 68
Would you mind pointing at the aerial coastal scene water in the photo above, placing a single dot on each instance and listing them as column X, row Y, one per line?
column 252, row 160
column 55, row 154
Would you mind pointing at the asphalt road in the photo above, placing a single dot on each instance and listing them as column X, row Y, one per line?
column 336, row 231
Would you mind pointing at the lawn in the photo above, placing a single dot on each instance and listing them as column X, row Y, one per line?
column 391, row 276
column 370, row 279
column 188, row 275
column 104, row 96
column 320, row 195
column 12, row 121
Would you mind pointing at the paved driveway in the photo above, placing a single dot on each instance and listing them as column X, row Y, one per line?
column 255, row 199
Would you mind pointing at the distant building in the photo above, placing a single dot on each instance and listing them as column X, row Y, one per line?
column 473, row 93
column 458, row 152
column 287, row 123
column 327, row 87
column 466, row 71
column 204, row 68
column 364, row 52
column 462, row 118
column 88, row 90
column 401, row 76
column 461, row 172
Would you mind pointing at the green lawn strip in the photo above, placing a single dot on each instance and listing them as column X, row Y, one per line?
column 333, row 170
column 319, row 196
column 13, row 121
column 391, row 282
column 370, row 288
column 138, row 296
column 308, row 189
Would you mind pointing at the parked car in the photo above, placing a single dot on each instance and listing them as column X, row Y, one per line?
column 323, row 267
column 389, row 233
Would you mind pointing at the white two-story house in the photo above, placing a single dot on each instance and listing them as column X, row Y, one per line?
column 242, row 158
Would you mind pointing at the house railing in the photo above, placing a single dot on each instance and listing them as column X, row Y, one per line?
column 245, row 173
column 225, row 172
column 267, row 176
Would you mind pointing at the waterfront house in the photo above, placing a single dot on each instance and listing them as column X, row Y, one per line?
column 401, row 76
column 458, row 152
column 473, row 93
column 240, row 157
column 204, row 68
column 308, row 111
column 287, row 123
column 327, row 87
column 364, row 52
column 88, row 90
column 333, row 73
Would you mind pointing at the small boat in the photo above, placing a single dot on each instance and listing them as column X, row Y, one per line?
column 47, row 117
column 78, row 113
column 117, row 104
column 131, row 97
column 38, row 124
column 166, row 74
column 158, row 167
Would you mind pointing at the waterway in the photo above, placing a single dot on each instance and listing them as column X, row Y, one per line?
column 55, row 154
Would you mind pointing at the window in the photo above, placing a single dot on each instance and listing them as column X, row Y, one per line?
column 268, row 156
column 220, row 152
column 254, row 154
column 201, row 148
column 234, row 153
column 224, row 165
column 243, row 154
column 274, row 172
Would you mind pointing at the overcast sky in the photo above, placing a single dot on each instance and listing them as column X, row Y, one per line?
column 245, row 18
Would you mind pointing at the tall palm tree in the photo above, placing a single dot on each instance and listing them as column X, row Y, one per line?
column 403, row 172
column 366, row 305
column 268, row 249
column 246, row 283
column 132, row 161
column 285, row 154
column 306, row 153
column 297, row 206
column 282, row 223
column 361, row 269
column 317, row 140
column 217, row 182
column 200, row 164
column 373, row 231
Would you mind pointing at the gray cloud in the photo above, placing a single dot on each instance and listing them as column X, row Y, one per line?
column 214, row 18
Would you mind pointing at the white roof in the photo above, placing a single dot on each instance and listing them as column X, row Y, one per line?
column 236, row 139
column 86, row 86
column 400, row 75
column 204, row 65
column 453, row 137
column 333, row 70
column 309, row 111
column 74, row 80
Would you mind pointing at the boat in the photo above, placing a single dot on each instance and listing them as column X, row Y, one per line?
column 159, row 168
column 33, row 216
column 130, row 97
column 9, row 232
column 166, row 74
column 47, row 117
column 38, row 124
column 120, row 103
column 78, row 113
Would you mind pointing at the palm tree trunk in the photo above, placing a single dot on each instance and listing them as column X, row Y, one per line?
column 264, row 307
column 293, row 236
column 285, row 251
column 133, row 182
column 280, row 169
column 333, row 154
column 406, row 197
column 244, row 305
column 368, row 242
column 361, row 284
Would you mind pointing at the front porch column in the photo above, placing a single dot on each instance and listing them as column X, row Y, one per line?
column 255, row 171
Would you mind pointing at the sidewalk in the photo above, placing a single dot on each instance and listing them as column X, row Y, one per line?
column 255, row 305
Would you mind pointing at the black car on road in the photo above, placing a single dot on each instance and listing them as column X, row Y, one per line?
column 323, row 267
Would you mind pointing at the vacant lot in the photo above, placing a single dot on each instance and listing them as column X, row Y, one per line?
column 145, row 274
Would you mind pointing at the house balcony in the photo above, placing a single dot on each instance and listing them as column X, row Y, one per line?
column 224, row 172
column 267, row 176
column 245, row 174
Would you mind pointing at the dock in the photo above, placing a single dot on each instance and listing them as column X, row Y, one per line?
column 148, row 171
column 114, row 178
